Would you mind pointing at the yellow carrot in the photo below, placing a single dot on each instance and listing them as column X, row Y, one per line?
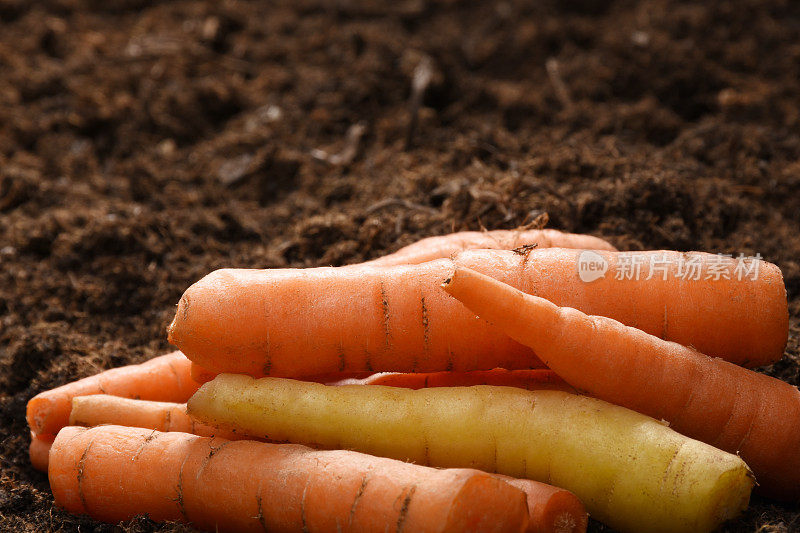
column 632, row 472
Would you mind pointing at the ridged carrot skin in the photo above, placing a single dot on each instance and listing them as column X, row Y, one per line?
column 298, row 322
column 165, row 378
column 538, row 379
column 737, row 410
column 444, row 246
column 114, row 473
column 552, row 510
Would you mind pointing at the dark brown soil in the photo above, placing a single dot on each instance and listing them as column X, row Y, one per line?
column 144, row 144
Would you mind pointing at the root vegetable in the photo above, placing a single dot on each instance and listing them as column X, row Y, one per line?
column 101, row 409
column 164, row 378
column 631, row 471
column 539, row 379
column 444, row 246
column 39, row 452
column 300, row 322
column 552, row 510
column 114, row 473
column 727, row 406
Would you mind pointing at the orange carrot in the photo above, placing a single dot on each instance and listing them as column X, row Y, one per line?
column 539, row 379
column 102, row 409
column 201, row 375
column 729, row 407
column 165, row 378
column 39, row 451
column 552, row 510
column 114, row 473
column 444, row 246
column 270, row 322
column 725, row 307
column 299, row 322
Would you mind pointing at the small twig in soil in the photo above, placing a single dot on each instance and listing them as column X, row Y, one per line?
column 399, row 202
column 493, row 200
column 347, row 154
column 423, row 75
column 554, row 73
column 539, row 222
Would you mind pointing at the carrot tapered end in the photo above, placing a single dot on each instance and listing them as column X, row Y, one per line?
column 40, row 452
column 519, row 315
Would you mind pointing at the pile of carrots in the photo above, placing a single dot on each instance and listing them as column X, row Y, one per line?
column 469, row 382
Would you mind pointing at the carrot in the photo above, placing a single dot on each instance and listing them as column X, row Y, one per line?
column 444, row 246
column 729, row 407
column 101, row 409
column 114, row 473
column 202, row 375
column 539, row 379
column 631, row 471
column 39, row 451
column 551, row 509
column 725, row 307
column 395, row 319
column 164, row 378
column 269, row 322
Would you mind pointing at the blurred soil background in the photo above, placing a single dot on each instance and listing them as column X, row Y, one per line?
column 144, row 144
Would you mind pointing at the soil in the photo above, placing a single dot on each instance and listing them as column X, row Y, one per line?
column 144, row 144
